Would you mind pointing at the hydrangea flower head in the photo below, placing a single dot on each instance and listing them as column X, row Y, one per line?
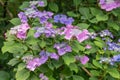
column 109, row 5
column 83, row 35
column 20, row 30
column 72, row 31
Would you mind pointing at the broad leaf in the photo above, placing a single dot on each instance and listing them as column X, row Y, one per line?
column 22, row 75
column 68, row 58
column 114, row 73
column 4, row 75
column 53, row 7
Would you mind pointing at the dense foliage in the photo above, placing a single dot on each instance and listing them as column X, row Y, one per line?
column 63, row 40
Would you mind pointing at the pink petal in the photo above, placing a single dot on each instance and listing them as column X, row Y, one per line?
column 83, row 36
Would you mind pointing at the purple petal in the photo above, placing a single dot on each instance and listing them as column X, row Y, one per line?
column 84, row 59
column 54, row 56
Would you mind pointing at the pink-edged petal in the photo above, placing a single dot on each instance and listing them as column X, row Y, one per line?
column 83, row 36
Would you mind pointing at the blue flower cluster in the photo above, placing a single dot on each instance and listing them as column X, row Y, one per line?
column 105, row 33
column 112, row 60
column 60, row 18
column 113, row 46
column 47, row 30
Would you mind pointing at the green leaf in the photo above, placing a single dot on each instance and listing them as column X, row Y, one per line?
column 114, row 25
column 95, row 11
column 57, row 63
column 4, row 75
column 45, row 2
column 75, row 77
column 42, row 44
column 101, row 17
column 73, row 67
column 68, row 58
column 51, row 78
column 15, row 21
column 53, row 7
column 85, row 12
column 99, row 44
column 116, row 12
column 76, row 2
column 21, row 66
column 13, row 62
column 44, row 68
column 77, row 47
column 81, row 48
column 22, row 75
column 93, row 78
column 114, row 73
column 32, row 41
column 66, row 72
column 97, row 64
column 34, row 77
column 83, row 25
column 50, row 49
column 31, row 33
column 72, row 14
column 24, row 5
column 94, row 20
column 95, row 73
column 51, row 66
column 13, row 47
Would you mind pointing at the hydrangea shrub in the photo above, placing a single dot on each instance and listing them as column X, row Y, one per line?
column 47, row 44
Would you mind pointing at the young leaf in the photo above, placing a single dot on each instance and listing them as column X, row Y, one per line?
column 13, row 62
column 15, row 21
